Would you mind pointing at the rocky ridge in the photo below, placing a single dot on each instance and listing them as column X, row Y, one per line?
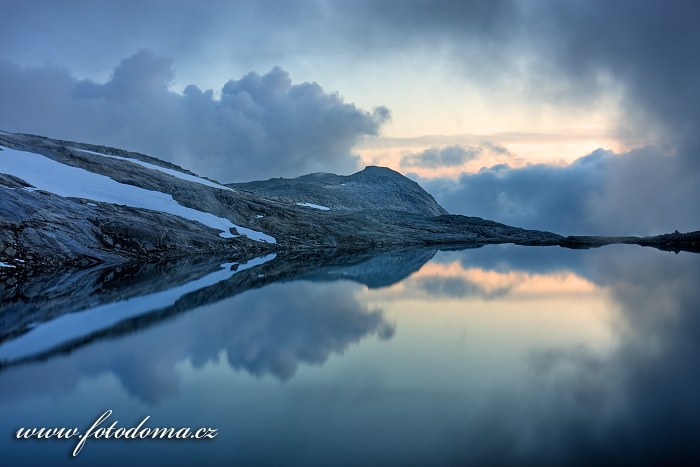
column 376, row 208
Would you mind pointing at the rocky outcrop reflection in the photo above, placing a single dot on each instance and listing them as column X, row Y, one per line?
column 266, row 332
column 266, row 320
column 375, row 270
column 149, row 293
column 28, row 301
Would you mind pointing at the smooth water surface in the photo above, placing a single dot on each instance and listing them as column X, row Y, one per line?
column 497, row 355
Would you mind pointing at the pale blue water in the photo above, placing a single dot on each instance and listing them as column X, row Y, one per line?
column 498, row 355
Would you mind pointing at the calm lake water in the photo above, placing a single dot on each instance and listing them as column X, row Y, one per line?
column 498, row 355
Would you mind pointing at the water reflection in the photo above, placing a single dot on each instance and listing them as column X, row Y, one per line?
column 634, row 404
column 499, row 355
column 455, row 280
column 73, row 328
column 263, row 332
column 37, row 326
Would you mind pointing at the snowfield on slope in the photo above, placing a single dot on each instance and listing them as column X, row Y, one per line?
column 67, row 181
column 174, row 173
column 314, row 206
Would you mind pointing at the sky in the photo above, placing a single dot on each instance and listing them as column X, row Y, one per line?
column 575, row 116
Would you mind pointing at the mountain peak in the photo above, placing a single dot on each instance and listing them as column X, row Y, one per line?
column 379, row 169
column 373, row 188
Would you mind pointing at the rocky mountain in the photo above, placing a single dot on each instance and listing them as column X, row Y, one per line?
column 65, row 203
column 374, row 188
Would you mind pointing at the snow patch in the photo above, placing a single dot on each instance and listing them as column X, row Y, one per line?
column 165, row 170
column 67, row 181
column 73, row 326
column 259, row 216
column 5, row 265
column 91, row 204
column 314, row 206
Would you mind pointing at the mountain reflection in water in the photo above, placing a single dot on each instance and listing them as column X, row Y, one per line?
column 496, row 355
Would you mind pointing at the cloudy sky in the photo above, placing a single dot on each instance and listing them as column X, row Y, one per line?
column 578, row 116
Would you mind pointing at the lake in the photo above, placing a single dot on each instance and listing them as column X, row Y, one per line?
column 500, row 355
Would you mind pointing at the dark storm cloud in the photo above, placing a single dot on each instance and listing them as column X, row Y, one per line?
column 649, row 47
column 563, row 50
column 602, row 193
column 568, row 53
column 261, row 126
column 449, row 156
column 560, row 50
column 90, row 36
column 185, row 29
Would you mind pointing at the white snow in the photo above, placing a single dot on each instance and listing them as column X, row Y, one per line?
column 72, row 326
column 314, row 206
column 64, row 180
column 5, row 265
column 174, row 173
column 91, row 204
column 259, row 216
